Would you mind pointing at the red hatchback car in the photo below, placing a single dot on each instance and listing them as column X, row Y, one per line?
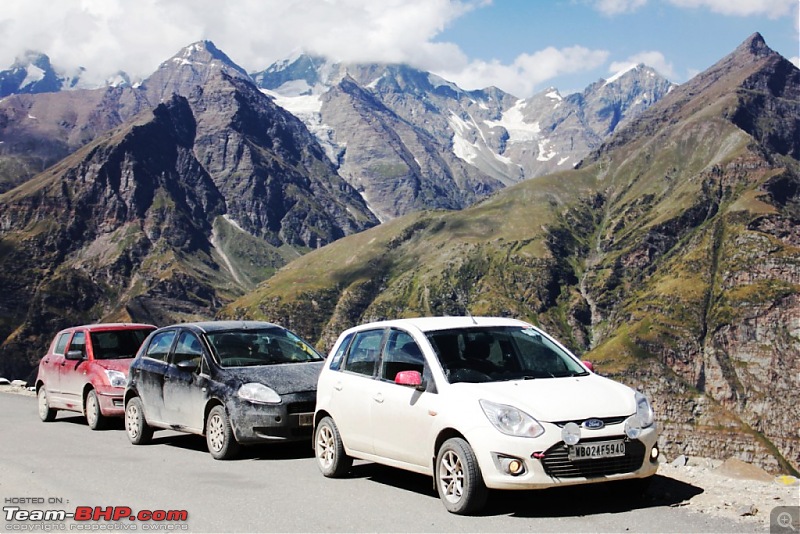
column 86, row 370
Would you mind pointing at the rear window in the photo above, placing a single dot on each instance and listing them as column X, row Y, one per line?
column 117, row 344
column 160, row 345
column 61, row 344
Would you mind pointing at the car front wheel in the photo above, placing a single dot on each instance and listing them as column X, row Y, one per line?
column 329, row 450
column 459, row 482
column 139, row 432
column 46, row 413
column 221, row 442
column 95, row 418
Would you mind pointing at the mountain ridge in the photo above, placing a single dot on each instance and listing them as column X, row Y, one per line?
column 667, row 257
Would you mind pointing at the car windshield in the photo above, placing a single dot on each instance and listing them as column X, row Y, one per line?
column 489, row 354
column 267, row 346
column 117, row 344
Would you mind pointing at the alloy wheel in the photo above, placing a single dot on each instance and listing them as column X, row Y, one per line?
column 451, row 477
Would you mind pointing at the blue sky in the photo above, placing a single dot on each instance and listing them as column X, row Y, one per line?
column 520, row 46
column 680, row 39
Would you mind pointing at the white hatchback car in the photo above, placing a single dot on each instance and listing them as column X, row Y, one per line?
column 477, row 403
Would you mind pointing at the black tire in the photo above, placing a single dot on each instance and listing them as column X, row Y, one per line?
column 221, row 442
column 46, row 413
column 139, row 432
column 329, row 450
column 91, row 410
column 458, row 478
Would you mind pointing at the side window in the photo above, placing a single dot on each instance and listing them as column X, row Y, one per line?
column 188, row 348
column 159, row 345
column 401, row 353
column 61, row 344
column 336, row 361
column 78, row 342
column 364, row 352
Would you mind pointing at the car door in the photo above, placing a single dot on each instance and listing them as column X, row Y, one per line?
column 402, row 417
column 149, row 375
column 185, row 389
column 73, row 372
column 353, row 388
column 50, row 369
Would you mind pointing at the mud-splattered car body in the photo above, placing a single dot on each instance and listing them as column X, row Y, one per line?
column 236, row 382
column 86, row 368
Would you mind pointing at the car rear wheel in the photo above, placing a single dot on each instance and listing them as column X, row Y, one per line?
column 139, row 432
column 46, row 413
column 221, row 442
column 459, row 482
column 329, row 450
column 95, row 418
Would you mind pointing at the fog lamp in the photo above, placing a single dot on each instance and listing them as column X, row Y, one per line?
column 512, row 466
column 571, row 433
column 654, row 453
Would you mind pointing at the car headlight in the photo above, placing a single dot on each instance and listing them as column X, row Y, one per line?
column 644, row 412
column 642, row 419
column 258, row 393
column 116, row 378
column 511, row 421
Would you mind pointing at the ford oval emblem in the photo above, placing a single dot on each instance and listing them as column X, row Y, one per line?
column 593, row 424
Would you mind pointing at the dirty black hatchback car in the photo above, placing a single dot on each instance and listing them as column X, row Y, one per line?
column 236, row 382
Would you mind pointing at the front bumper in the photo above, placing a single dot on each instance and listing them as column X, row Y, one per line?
column 547, row 464
column 291, row 420
column 111, row 400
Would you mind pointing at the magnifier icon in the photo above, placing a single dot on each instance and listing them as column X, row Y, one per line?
column 785, row 521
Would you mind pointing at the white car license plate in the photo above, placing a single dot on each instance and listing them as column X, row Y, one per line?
column 306, row 419
column 597, row 449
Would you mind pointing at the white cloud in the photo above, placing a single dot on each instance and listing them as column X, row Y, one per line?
column 137, row 36
column 742, row 8
column 527, row 71
column 616, row 7
column 651, row 59
column 109, row 35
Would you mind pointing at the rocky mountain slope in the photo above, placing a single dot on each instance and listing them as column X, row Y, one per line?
column 410, row 140
column 670, row 258
column 269, row 189
column 166, row 216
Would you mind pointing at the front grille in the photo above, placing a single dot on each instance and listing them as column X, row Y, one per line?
column 607, row 420
column 557, row 464
column 301, row 407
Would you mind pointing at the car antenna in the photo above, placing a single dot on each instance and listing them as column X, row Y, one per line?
column 462, row 298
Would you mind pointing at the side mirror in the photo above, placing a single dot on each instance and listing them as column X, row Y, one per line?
column 74, row 355
column 589, row 365
column 410, row 378
column 190, row 366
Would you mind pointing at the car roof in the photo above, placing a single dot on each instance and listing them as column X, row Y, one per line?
column 102, row 327
column 430, row 324
column 217, row 326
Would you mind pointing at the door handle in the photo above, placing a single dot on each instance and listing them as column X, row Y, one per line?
column 378, row 398
column 337, row 386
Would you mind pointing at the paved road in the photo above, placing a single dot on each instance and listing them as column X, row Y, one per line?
column 279, row 489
